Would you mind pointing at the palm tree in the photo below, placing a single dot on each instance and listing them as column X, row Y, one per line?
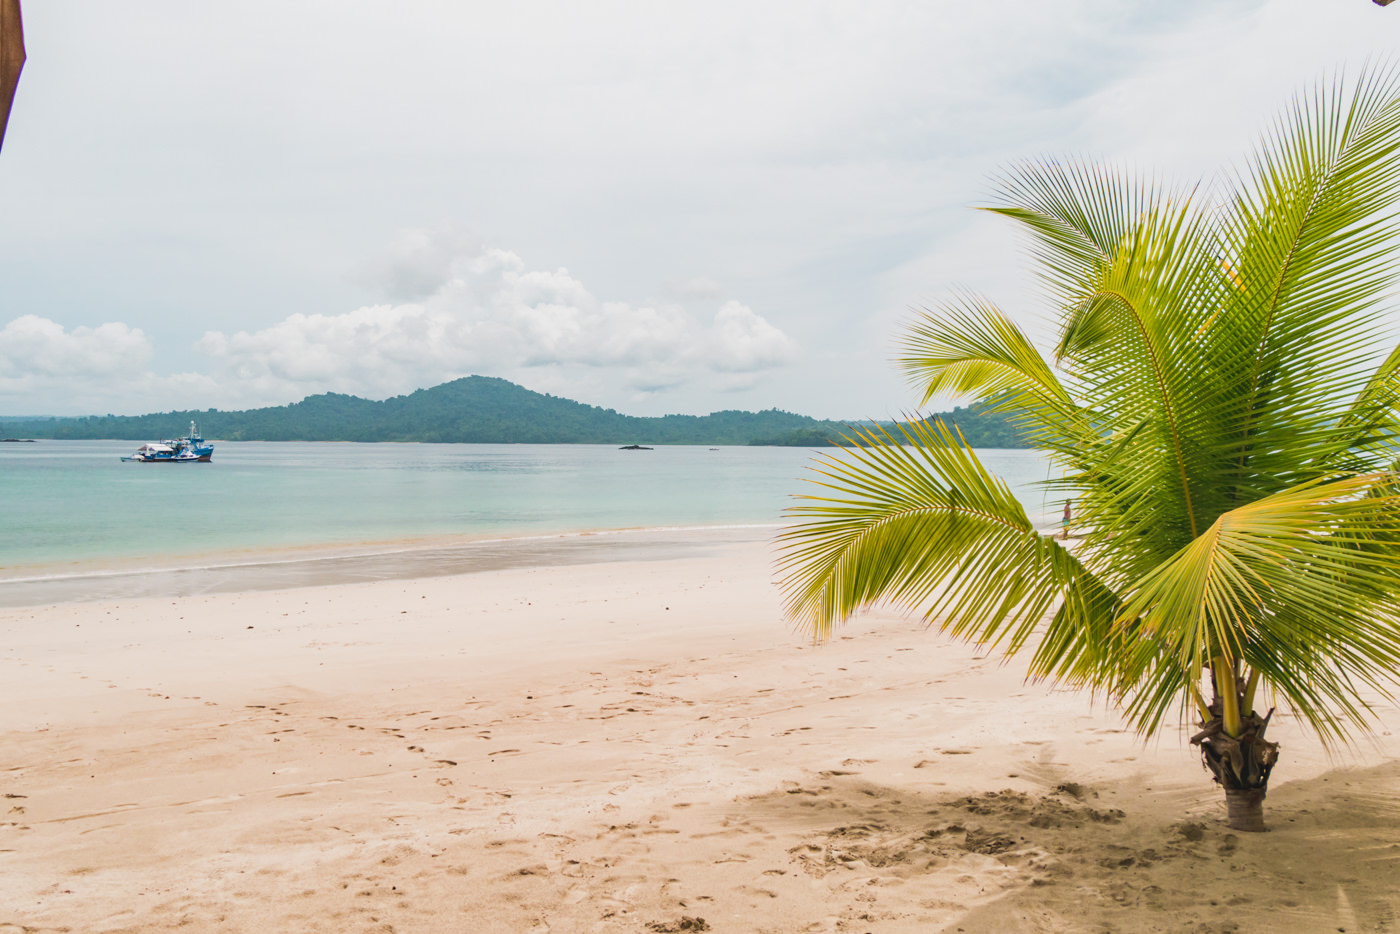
column 1223, row 414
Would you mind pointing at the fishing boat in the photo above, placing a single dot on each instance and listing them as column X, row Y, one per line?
column 195, row 443
column 191, row 449
column 153, row 452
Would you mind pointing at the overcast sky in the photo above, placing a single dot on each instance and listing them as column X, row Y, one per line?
column 656, row 207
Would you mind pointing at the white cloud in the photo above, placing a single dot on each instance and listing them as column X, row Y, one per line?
column 91, row 370
column 488, row 312
column 36, row 348
column 742, row 342
column 418, row 261
column 482, row 310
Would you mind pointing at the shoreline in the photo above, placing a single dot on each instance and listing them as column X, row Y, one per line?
column 618, row 747
column 331, row 564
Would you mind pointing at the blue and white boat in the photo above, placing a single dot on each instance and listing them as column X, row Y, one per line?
column 195, row 443
column 191, row 449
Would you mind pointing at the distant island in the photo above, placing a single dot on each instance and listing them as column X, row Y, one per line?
column 487, row 410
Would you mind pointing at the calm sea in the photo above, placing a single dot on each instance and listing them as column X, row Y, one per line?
column 80, row 524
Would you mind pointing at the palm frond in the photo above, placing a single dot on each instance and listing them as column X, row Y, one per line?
column 914, row 518
column 1312, row 230
column 1078, row 213
column 968, row 347
column 1372, row 422
column 1308, row 575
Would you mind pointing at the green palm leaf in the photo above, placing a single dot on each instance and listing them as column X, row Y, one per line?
column 1296, row 573
column 914, row 517
column 971, row 348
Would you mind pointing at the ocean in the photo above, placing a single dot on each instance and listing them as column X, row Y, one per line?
column 78, row 523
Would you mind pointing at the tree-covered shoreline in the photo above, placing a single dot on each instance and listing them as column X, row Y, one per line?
column 487, row 410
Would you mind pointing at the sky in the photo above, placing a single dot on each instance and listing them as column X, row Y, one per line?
column 653, row 207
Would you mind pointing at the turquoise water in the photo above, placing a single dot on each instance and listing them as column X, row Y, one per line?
column 74, row 504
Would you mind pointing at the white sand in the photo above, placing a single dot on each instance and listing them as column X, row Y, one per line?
column 628, row 747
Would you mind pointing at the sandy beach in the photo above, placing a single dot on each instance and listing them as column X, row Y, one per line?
column 625, row 746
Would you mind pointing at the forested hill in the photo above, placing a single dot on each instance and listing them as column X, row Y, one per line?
column 481, row 409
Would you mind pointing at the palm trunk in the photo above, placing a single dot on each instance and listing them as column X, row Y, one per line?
column 1233, row 748
column 1244, row 809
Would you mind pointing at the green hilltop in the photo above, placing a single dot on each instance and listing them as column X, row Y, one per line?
column 485, row 410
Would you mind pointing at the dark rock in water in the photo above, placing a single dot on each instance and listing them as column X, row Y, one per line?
column 634, row 447
column 18, row 440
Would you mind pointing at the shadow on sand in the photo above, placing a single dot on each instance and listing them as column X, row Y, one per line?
column 1106, row 859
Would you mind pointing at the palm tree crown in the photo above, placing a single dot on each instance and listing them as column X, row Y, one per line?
column 1223, row 414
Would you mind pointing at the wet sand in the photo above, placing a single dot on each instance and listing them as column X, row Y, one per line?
column 237, row 572
column 623, row 746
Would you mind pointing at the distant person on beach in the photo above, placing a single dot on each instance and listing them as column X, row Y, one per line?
column 1066, row 519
